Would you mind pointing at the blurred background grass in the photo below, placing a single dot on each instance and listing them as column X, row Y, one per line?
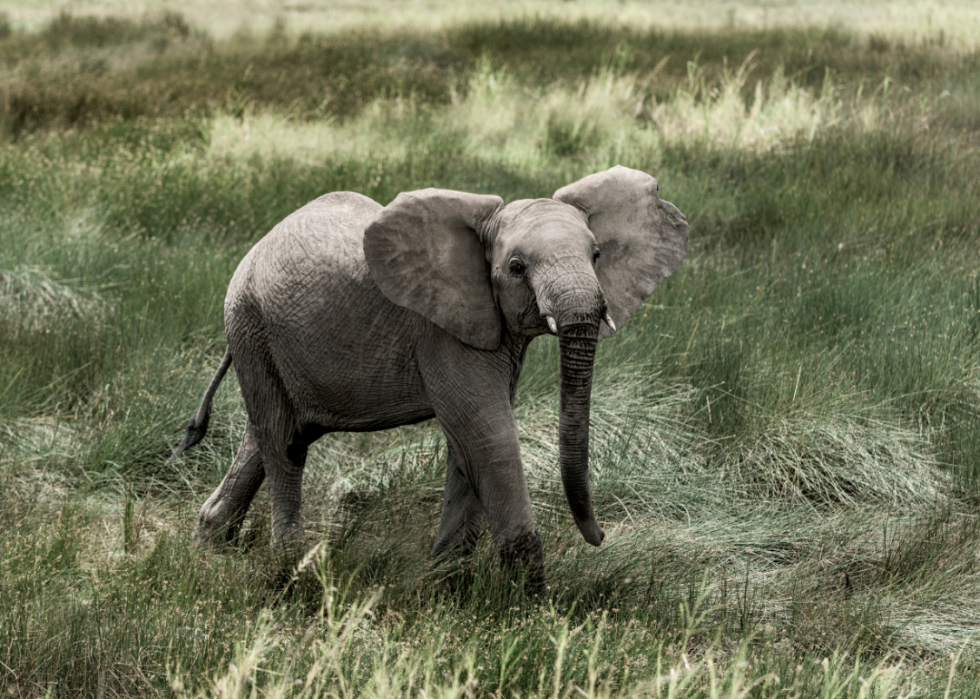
column 785, row 450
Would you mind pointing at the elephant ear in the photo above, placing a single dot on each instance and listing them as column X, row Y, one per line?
column 425, row 253
column 642, row 239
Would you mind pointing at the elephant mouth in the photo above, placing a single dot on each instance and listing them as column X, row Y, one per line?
column 534, row 321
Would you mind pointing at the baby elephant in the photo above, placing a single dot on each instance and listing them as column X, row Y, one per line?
column 352, row 316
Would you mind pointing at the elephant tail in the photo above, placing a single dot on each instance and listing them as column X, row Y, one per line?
column 198, row 426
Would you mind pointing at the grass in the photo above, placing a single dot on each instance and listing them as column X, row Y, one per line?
column 948, row 25
column 785, row 438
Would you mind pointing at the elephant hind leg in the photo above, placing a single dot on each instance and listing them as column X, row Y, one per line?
column 284, row 476
column 224, row 511
column 282, row 442
column 284, row 462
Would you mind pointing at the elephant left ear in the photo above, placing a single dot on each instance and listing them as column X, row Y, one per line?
column 641, row 238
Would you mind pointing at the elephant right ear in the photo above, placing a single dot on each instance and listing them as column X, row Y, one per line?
column 425, row 254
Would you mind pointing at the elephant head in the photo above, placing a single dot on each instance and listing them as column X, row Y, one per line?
column 577, row 265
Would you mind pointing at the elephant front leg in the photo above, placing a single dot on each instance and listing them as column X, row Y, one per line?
column 462, row 514
column 490, row 464
column 224, row 511
column 470, row 395
column 521, row 552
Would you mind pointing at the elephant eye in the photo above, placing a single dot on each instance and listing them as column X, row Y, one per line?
column 595, row 255
column 516, row 267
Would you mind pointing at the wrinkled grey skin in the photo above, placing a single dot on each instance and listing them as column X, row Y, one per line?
column 349, row 316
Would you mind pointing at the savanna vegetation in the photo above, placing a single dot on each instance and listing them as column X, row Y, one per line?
column 786, row 438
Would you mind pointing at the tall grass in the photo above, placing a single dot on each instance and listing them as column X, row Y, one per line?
column 785, row 437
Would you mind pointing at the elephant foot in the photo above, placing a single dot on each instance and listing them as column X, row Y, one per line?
column 213, row 536
column 525, row 555
column 288, row 534
column 453, row 577
column 217, row 526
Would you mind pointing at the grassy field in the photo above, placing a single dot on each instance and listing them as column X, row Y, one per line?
column 786, row 438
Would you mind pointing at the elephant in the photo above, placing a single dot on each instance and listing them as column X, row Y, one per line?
column 350, row 316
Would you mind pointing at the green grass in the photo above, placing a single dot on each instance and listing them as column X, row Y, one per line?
column 786, row 438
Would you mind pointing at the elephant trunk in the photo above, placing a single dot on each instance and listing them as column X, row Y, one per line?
column 577, row 342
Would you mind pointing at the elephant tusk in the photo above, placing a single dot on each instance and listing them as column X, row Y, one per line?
column 609, row 321
column 552, row 325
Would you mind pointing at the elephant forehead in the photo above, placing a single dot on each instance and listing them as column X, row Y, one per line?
column 542, row 221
